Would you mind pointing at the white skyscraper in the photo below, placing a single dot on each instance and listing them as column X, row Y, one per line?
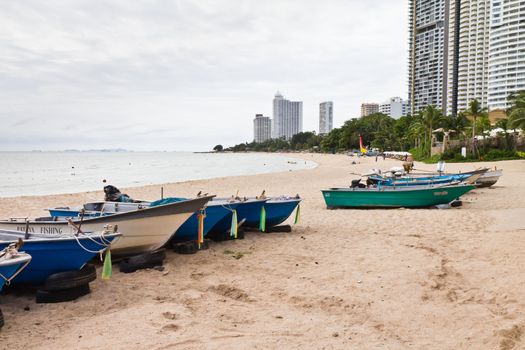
column 506, row 63
column 427, row 64
column 395, row 107
column 287, row 117
column 262, row 128
column 326, row 117
column 468, row 53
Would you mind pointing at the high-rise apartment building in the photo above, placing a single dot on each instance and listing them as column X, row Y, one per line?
column 506, row 61
column 369, row 108
column 262, row 128
column 395, row 107
column 428, row 37
column 468, row 53
column 483, row 55
column 326, row 117
column 287, row 117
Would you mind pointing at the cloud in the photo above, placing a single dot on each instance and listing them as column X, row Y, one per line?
column 196, row 71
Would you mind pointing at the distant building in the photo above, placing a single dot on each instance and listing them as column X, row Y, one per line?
column 369, row 108
column 287, row 117
column 395, row 107
column 262, row 128
column 326, row 117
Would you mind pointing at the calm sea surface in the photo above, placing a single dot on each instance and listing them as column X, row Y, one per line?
column 38, row 173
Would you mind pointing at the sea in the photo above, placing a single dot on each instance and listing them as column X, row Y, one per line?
column 41, row 173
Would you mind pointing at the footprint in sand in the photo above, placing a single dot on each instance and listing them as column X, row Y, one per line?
column 511, row 337
column 169, row 315
column 172, row 327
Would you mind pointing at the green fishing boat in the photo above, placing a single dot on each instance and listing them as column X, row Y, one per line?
column 390, row 197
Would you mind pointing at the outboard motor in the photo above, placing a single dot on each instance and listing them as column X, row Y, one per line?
column 112, row 194
column 357, row 184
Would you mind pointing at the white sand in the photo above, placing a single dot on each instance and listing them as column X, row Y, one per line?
column 343, row 279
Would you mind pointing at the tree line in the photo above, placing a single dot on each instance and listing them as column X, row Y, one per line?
column 412, row 133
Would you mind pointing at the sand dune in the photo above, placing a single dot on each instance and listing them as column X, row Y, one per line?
column 343, row 279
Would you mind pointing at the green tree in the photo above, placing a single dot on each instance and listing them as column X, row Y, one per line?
column 218, row 148
column 430, row 117
column 516, row 112
column 474, row 112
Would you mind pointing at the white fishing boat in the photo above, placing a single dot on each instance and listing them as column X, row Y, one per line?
column 489, row 178
column 142, row 230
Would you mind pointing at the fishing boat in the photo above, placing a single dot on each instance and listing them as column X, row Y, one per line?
column 277, row 210
column 393, row 197
column 213, row 212
column 56, row 253
column 12, row 262
column 489, row 178
column 424, row 180
column 247, row 210
column 142, row 230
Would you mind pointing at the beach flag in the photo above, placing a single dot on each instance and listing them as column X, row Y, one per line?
column 233, row 229
column 107, row 269
column 262, row 221
column 362, row 148
column 297, row 215
column 200, row 233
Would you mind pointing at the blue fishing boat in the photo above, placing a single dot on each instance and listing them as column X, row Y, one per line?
column 57, row 253
column 423, row 180
column 277, row 210
column 12, row 262
column 248, row 212
column 215, row 211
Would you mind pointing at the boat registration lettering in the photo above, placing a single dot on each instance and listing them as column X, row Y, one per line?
column 43, row 229
column 442, row 193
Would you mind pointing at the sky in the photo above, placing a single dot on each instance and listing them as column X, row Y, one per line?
column 185, row 75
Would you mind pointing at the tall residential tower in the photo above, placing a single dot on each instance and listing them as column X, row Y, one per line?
column 326, row 117
column 262, row 128
column 506, row 63
column 428, row 37
column 287, row 117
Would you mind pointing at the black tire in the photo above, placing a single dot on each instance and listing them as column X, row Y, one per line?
column 280, row 228
column 156, row 257
column 58, row 296
column 70, row 279
column 143, row 261
column 456, row 203
column 1, row 319
column 190, row 247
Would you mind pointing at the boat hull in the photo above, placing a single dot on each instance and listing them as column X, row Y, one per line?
column 214, row 213
column 248, row 212
column 393, row 198
column 53, row 255
column 142, row 230
column 277, row 211
column 9, row 267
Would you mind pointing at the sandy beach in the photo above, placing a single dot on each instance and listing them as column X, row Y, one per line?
column 343, row 279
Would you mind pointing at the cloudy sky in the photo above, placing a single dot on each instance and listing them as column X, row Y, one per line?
column 187, row 74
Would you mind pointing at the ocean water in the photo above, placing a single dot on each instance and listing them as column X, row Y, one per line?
column 40, row 173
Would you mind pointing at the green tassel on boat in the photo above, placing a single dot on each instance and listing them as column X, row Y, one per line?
column 107, row 270
column 297, row 214
column 233, row 229
column 262, row 221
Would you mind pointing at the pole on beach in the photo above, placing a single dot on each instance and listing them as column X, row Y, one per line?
column 162, row 193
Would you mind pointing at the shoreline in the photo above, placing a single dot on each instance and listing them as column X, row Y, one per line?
column 275, row 168
column 343, row 279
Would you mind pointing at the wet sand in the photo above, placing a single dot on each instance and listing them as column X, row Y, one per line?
column 343, row 279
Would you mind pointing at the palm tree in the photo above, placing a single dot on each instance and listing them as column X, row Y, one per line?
column 431, row 117
column 516, row 112
column 474, row 112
